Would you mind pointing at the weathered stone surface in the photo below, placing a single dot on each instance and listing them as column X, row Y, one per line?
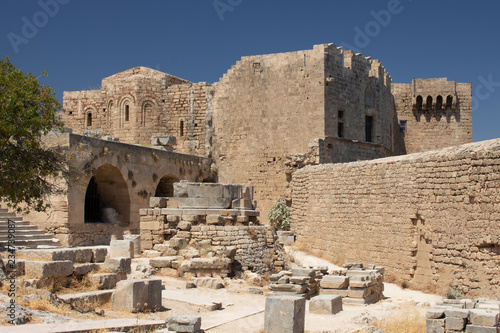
column 457, row 313
column 118, row 265
column 162, row 262
column 334, row 282
column 183, row 324
column 104, row 280
column 302, row 272
column 435, row 313
column 121, row 249
column 453, row 323
column 45, row 269
column 359, row 292
column 184, row 226
column 481, row 329
column 137, row 295
column 208, row 282
column 158, row 202
column 483, row 317
column 434, row 325
column 48, row 254
column 178, row 243
column 340, row 292
column 325, row 304
column 284, row 314
column 84, row 269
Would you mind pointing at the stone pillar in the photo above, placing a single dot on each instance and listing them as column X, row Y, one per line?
column 285, row 314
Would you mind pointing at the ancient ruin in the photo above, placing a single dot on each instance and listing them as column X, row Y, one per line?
column 184, row 174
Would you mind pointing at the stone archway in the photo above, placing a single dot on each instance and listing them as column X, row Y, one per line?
column 107, row 189
column 165, row 186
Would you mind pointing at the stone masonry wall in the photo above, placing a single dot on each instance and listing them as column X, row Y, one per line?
column 158, row 104
column 430, row 218
column 436, row 125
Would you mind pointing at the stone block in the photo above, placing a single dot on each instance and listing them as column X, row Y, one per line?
column 48, row 254
column 99, row 253
column 214, row 220
column 105, row 280
column 325, row 304
column 340, row 292
column 294, row 288
column 284, row 314
column 158, row 202
column 453, row 323
column 208, row 282
column 183, row 324
column 177, row 243
column 334, row 282
column 45, row 269
column 151, row 254
column 484, row 317
column 183, row 234
column 457, row 313
column 84, row 269
column 360, row 281
column 184, row 226
column 162, row 262
column 435, row 313
column 136, row 241
column 121, row 249
column 482, row 329
column 242, row 204
column 137, row 295
column 359, row 292
column 173, row 218
column 83, row 254
column 209, row 263
column 118, row 265
column 302, row 272
column 434, row 325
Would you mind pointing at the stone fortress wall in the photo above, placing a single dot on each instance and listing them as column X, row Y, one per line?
column 433, row 108
column 430, row 218
column 267, row 107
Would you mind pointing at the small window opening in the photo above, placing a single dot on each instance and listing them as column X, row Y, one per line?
column 127, row 113
column 340, row 129
column 428, row 104
column 449, row 101
column 341, row 114
column 402, row 126
column 89, row 119
column 420, row 101
column 305, row 61
column 71, row 112
column 181, row 128
column 369, row 128
column 439, row 102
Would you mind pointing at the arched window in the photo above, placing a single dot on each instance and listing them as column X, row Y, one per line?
column 165, row 187
column 449, row 101
column 420, row 101
column 89, row 119
column 439, row 103
column 428, row 104
column 147, row 111
column 127, row 112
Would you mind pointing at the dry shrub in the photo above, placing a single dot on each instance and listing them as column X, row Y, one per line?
column 409, row 319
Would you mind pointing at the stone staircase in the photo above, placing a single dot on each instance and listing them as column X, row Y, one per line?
column 25, row 234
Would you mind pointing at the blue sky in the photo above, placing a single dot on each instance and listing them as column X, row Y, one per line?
column 79, row 42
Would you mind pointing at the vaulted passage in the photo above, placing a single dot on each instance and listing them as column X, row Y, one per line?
column 165, row 187
column 107, row 189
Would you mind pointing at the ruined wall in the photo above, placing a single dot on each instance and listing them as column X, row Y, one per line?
column 138, row 103
column 357, row 87
column 335, row 150
column 126, row 177
column 431, row 218
column 272, row 105
column 266, row 107
column 437, row 113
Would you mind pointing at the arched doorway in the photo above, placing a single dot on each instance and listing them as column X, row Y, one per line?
column 107, row 189
column 165, row 187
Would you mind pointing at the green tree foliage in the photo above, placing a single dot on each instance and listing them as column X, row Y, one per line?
column 279, row 215
column 27, row 112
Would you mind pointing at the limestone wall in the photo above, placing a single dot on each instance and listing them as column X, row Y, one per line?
column 433, row 124
column 431, row 218
column 138, row 103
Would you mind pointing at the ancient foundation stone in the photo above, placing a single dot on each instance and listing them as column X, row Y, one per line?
column 121, row 249
column 137, row 295
column 184, row 324
column 325, row 304
column 45, row 269
column 284, row 314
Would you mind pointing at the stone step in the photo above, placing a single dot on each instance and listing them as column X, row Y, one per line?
column 33, row 243
column 17, row 227
column 26, row 236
